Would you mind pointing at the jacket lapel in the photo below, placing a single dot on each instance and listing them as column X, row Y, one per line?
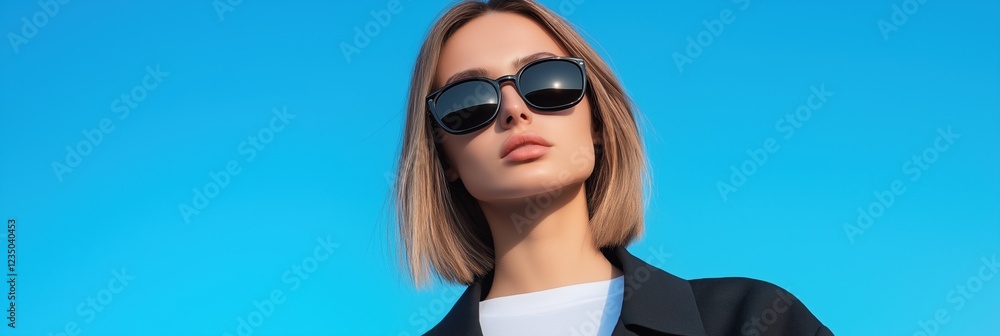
column 654, row 302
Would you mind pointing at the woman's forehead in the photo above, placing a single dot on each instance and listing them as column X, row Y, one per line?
column 494, row 42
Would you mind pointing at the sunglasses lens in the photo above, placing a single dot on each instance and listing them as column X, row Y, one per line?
column 467, row 105
column 552, row 84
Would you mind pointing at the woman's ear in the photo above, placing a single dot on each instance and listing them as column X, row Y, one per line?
column 597, row 135
column 450, row 173
column 598, row 138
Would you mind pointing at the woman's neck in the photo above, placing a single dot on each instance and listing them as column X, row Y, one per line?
column 543, row 242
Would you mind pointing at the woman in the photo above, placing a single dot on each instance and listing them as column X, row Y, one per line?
column 521, row 175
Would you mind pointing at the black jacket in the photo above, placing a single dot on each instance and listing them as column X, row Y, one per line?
column 658, row 303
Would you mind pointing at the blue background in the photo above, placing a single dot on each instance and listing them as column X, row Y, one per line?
column 324, row 176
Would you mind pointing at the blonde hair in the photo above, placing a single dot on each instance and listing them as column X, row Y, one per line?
column 441, row 226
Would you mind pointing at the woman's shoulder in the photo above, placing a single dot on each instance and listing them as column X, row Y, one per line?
column 745, row 306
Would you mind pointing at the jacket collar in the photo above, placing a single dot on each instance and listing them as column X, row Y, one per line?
column 653, row 300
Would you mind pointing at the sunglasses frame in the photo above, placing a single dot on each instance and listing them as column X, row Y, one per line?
column 516, row 78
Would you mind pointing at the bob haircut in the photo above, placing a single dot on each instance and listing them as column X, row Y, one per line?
column 441, row 226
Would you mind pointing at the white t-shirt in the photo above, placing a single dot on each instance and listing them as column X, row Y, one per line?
column 578, row 310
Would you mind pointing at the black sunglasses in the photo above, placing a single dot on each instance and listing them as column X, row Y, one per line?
column 547, row 84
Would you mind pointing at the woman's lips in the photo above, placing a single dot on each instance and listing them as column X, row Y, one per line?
column 523, row 146
column 526, row 152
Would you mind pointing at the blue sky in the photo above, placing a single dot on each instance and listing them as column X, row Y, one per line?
column 180, row 168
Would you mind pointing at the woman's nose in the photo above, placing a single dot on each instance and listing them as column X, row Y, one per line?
column 514, row 112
